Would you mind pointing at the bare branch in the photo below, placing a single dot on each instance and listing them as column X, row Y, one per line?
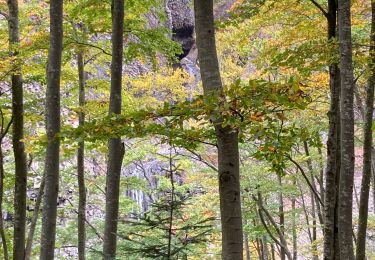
column 324, row 12
column 306, row 179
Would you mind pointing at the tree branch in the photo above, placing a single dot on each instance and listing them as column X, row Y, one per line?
column 324, row 12
column 306, row 179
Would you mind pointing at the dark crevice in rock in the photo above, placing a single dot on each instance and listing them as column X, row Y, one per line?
column 184, row 36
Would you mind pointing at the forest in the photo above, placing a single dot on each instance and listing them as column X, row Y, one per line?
column 187, row 129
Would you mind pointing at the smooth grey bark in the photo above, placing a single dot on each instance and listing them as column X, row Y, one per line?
column 347, row 132
column 227, row 137
column 51, row 169
column 80, row 164
column 18, row 145
column 115, row 147
column 331, row 245
column 367, row 149
column 34, row 220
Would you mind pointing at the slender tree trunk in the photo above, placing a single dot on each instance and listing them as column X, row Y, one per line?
column 18, row 145
column 311, row 170
column 81, row 165
column 314, row 202
column 273, row 252
column 246, row 243
column 347, row 132
column 331, row 246
column 227, row 138
column 367, row 150
column 294, row 227
column 264, row 248
column 53, row 128
column 34, row 220
column 281, row 217
column 314, row 233
column 2, row 176
column 115, row 147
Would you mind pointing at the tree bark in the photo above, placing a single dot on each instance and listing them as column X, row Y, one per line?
column 18, row 145
column 227, row 137
column 53, row 128
column 367, row 149
column 34, row 220
column 294, row 227
column 246, row 244
column 3, row 132
column 331, row 246
column 80, row 164
column 281, row 217
column 347, row 132
column 115, row 148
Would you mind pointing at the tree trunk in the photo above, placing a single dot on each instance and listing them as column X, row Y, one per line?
column 34, row 220
column 227, row 138
column 367, row 150
column 347, row 132
column 115, row 148
column 311, row 170
column 294, row 227
column 53, row 128
column 331, row 246
column 80, row 164
column 264, row 248
column 2, row 176
column 246, row 243
column 18, row 145
column 281, row 217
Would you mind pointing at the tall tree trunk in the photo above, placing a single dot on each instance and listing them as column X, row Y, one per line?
column 331, row 246
column 227, row 137
column 81, row 165
column 34, row 220
column 347, row 132
column 51, row 169
column 367, row 150
column 115, row 148
column 18, row 145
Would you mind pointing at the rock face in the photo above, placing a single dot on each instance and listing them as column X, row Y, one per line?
column 181, row 20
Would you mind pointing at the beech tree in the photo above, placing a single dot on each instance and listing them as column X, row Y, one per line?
column 115, row 147
column 243, row 158
column 346, row 132
column 18, row 145
column 367, row 148
column 52, row 161
column 81, row 163
column 227, row 137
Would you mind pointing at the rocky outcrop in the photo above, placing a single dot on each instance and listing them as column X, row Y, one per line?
column 181, row 21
